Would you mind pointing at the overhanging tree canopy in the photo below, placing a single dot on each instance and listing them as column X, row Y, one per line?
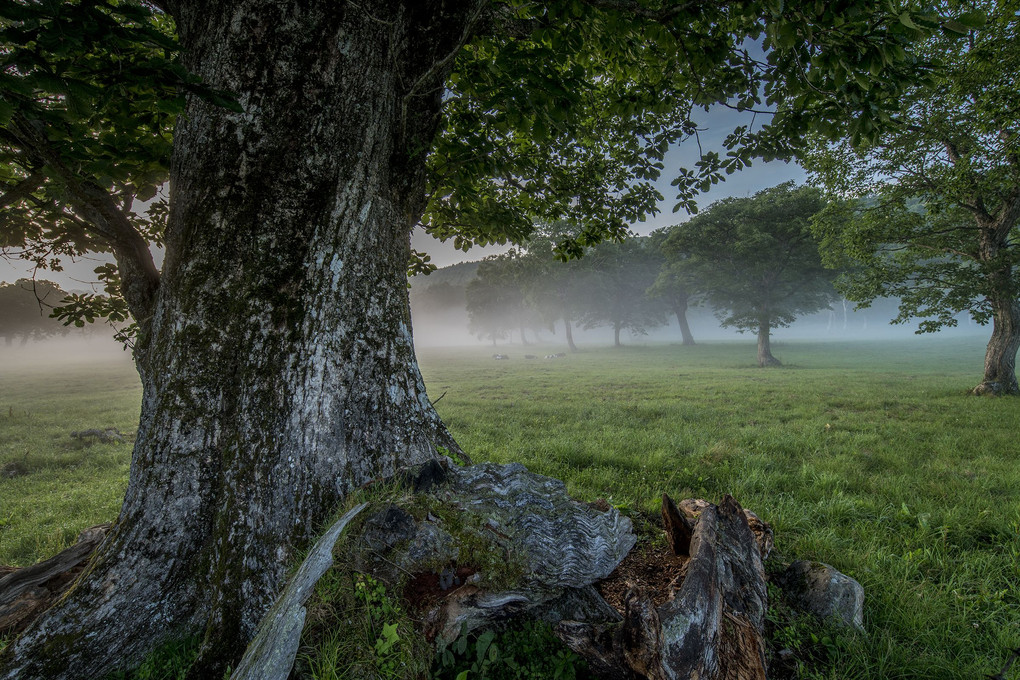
column 275, row 345
column 931, row 209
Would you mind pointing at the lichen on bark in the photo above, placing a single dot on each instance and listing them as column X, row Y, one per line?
column 279, row 369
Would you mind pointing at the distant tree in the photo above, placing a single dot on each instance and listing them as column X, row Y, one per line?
column 439, row 296
column 496, row 298
column 757, row 260
column 933, row 205
column 25, row 310
column 487, row 306
column 675, row 284
column 615, row 289
column 555, row 289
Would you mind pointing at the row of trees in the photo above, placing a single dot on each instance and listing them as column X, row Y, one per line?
column 527, row 290
column 754, row 260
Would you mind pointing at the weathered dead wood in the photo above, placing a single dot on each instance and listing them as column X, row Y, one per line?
column 25, row 593
column 270, row 656
column 679, row 529
column 106, row 436
column 711, row 629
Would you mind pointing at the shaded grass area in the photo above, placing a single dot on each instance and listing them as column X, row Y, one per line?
column 867, row 456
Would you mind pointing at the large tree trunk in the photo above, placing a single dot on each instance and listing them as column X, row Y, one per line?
column 765, row 357
column 280, row 368
column 570, row 333
column 616, row 336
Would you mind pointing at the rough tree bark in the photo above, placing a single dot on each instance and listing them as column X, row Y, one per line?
column 281, row 371
column 765, row 357
column 1000, row 355
column 26, row 592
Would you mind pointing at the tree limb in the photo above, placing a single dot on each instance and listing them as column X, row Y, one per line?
column 139, row 276
column 633, row 8
column 22, row 189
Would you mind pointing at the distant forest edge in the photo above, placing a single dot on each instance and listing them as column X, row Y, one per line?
column 440, row 316
column 25, row 311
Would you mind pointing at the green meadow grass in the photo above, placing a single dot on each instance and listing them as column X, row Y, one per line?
column 868, row 456
column 51, row 485
column 865, row 455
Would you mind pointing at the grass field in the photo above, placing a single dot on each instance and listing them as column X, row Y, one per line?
column 868, row 456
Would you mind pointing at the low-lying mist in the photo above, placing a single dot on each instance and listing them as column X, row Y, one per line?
column 60, row 351
column 449, row 328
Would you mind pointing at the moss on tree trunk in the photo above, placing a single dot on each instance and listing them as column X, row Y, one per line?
column 280, row 367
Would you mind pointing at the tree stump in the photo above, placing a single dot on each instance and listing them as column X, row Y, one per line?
column 711, row 625
column 486, row 543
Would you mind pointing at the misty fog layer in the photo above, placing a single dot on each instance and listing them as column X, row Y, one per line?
column 440, row 319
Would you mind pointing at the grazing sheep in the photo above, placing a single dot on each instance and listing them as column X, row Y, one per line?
column 500, row 357
column 530, row 356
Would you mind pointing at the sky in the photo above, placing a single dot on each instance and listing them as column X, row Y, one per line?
column 715, row 125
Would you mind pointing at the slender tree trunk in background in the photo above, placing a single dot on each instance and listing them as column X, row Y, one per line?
column 765, row 357
column 524, row 340
column 680, row 309
column 570, row 333
column 281, row 372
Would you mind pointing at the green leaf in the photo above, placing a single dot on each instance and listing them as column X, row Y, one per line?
column 956, row 27
column 907, row 21
column 975, row 19
column 6, row 112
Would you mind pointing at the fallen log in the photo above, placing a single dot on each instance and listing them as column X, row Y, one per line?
column 270, row 655
column 711, row 627
column 25, row 593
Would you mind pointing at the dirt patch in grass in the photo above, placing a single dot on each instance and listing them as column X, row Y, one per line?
column 651, row 568
column 427, row 588
column 15, row 468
